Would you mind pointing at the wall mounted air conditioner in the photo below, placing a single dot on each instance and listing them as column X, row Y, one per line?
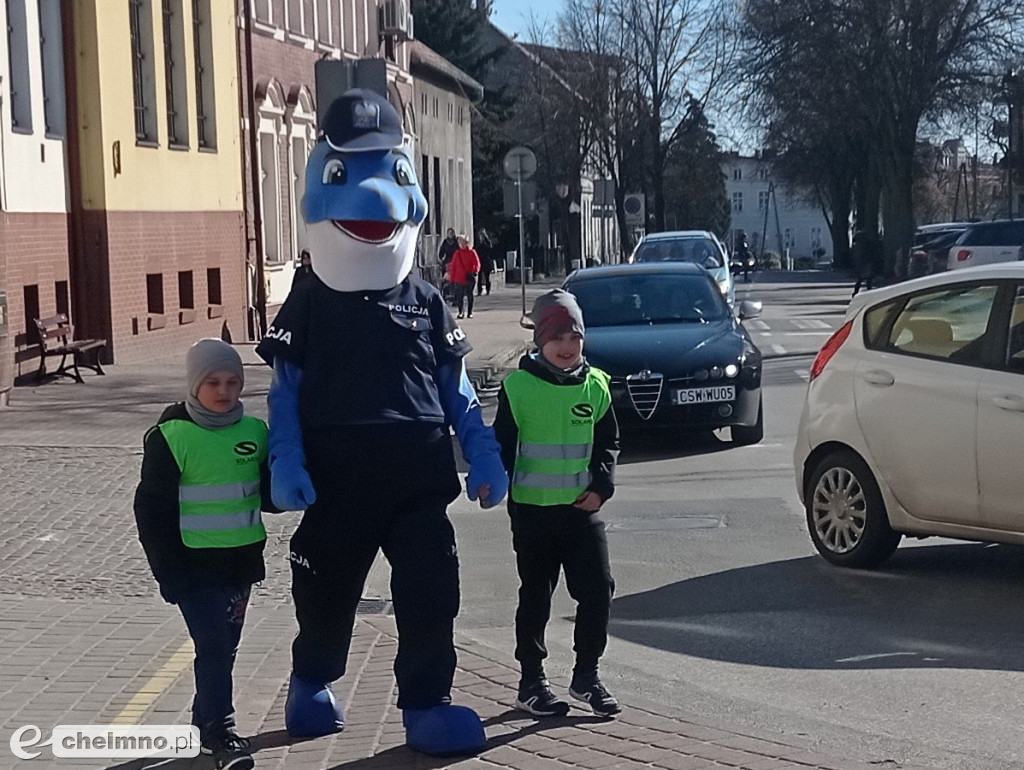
column 395, row 19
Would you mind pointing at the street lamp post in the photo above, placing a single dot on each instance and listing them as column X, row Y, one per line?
column 1011, row 91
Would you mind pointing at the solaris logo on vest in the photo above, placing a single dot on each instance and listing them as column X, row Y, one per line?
column 585, row 411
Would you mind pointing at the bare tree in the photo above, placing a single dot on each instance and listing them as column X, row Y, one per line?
column 894, row 62
column 661, row 62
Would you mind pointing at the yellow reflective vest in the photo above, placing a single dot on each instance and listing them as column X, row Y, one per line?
column 219, row 491
column 556, row 435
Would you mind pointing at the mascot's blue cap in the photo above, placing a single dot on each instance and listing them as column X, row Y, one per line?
column 360, row 121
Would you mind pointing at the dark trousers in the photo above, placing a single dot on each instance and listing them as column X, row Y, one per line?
column 547, row 540
column 464, row 292
column 483, row 282
column 379, row 489
column 214, row 618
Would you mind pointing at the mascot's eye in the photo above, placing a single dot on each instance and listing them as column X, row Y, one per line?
column 334, row 172
column 403, row 173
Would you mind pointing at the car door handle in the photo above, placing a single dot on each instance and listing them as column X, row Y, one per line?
column 1010, row 403
column 878, row 377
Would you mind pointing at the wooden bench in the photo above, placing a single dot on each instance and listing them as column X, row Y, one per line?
column 56, row 339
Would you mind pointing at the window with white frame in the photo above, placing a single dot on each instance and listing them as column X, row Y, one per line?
column 174, row 72
column 263, row 10
column 324, row 22
column 737, row 202
column 737, row 173
column 299, row 17
column 17, row 52
column 52, row 48
column 762, row 172
column 271, row 114
column 302, row 138
column 140, row 21
column 762, row 200
column 202, row 42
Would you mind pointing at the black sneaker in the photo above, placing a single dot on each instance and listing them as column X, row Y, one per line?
column 535, row 697
column 593, row 692
column 230, row 752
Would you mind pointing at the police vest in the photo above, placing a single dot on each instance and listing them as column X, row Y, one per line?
column 556, row 435
column 219, row 491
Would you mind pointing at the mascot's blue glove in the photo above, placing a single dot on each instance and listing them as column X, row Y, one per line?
column 479, row 447
column 290, row 485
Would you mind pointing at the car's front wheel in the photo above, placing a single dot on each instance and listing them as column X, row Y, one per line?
column 743, row 435
column 846, row 516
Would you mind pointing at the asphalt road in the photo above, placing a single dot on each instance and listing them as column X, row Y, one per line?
column 723, row 608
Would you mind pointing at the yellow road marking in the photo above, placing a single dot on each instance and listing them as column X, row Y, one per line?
column 156, row 684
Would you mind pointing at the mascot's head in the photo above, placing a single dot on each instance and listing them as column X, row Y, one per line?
column 363, row 207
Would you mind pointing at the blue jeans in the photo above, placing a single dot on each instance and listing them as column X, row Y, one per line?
column 214, row 618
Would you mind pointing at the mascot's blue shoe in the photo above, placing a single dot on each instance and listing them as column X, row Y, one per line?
column 311, row 710
column 443, row 730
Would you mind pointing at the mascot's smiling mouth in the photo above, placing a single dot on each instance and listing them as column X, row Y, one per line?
column 367, row 230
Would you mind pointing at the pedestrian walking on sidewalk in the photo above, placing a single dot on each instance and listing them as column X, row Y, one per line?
column 485, row 248
column 559, row 443
column 197, row 507
column 462, row 272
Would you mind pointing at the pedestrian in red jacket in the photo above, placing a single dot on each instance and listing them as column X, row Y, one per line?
column 462, row 272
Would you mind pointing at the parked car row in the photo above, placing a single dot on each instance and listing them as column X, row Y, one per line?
column 957, row 245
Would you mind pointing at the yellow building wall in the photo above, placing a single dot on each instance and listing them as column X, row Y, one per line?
column 120, row 175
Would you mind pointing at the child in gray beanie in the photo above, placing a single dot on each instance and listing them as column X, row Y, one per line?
column 204, row 482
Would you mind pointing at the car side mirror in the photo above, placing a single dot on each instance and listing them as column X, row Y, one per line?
column 750, row 309
column 526, row 322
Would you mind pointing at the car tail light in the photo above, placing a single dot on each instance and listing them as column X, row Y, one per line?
column 963, row 255
column 830, row 348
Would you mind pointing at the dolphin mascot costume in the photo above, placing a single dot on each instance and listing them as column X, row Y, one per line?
column 369, row 374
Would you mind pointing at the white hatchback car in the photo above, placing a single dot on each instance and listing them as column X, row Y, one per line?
column 697, row 246
column 913, row 422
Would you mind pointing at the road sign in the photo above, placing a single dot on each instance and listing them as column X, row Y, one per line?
column 635, row 208
column 520, row 163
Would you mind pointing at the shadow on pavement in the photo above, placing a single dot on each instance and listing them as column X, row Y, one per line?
column 942, row 606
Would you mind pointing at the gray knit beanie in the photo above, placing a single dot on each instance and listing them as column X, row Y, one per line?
column 554, row 313
column 205, row 357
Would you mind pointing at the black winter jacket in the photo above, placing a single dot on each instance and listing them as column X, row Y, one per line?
column 177, row 568
column 606, row 432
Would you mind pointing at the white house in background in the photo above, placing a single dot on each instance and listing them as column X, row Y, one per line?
column 794, row 220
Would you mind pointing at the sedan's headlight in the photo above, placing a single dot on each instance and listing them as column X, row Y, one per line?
column 731, row 370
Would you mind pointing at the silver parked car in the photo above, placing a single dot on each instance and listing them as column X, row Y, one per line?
column 697, row 246
column 913, row 422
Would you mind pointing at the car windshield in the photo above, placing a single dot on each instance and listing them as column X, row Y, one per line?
column 700, row 251
column 657, row 298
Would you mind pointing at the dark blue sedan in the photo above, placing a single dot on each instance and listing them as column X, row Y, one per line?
column 677, row 355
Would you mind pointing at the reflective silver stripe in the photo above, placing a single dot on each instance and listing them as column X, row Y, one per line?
column 218, row 492
column 555, row 451
column 551, row 481
column 208, row 522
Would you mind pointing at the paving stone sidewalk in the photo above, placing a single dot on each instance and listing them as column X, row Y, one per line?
column 84, row 639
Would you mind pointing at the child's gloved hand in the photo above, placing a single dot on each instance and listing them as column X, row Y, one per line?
column 487, row 480
column 290, row 485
